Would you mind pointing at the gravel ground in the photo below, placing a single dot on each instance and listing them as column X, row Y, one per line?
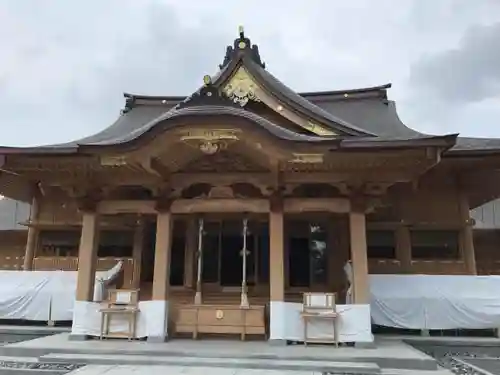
column 465, row 360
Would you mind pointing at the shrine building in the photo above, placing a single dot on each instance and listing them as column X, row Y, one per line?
column 247, row 193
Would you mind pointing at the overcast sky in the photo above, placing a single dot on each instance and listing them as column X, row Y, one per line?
column 65, row 64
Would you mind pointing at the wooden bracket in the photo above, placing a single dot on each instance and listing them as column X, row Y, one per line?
column 163, row 204
column 160, row 169
column 162, row 194
column 161, row 189
column 277, row 183
column 276, row 200
column 87, row 204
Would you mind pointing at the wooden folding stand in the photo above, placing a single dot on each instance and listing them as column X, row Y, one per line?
column 320, row 306
column 122, row 302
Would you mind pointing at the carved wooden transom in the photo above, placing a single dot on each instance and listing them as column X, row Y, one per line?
column 312, row 190
column 237, row 190
column 222, row 161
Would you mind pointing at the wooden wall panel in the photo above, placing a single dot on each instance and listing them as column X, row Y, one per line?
column 12, row 248
column 59, row 210
column 434, row 199
column 487, row 249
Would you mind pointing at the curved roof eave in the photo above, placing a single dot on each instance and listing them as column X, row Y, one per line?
column 360, row 90
column 469, row 146
column 163, row 122
column 195, row 111
column 446, row 141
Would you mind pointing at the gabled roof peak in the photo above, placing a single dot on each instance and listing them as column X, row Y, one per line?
column 208, row 94
column 242, row 46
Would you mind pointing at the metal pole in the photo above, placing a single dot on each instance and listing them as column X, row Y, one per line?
column 244, row 296
column 197, row 296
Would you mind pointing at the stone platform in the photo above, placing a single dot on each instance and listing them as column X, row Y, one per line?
column 387, row 354
column 176, row 370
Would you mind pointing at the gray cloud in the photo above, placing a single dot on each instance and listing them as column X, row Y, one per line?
column 468, row 73
column 65, row 64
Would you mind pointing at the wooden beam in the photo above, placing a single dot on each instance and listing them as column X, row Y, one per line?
column 184, row 206
column 297, row 205
column 111, row 207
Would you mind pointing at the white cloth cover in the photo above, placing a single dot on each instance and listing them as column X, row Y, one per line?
column 286, row 323
column 151, row 319
column 45, row 295
column 435, row 301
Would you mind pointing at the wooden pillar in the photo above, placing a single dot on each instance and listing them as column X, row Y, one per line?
column 87, row 256
column 277, row 311
column 467, row 236
column 137, row 253
column 338, row 253
column 276, row 255
column 332, row 257
column 161, row 276
column 32, row 241
column 403, row 248
column 190, row 252
column 359, row 257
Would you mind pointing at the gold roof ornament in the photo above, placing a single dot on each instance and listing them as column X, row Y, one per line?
column 241, row 88
column 209, row 147
column 242, row 44
column 207, row 80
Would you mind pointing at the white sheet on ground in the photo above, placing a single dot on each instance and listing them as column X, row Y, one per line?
column 45, row 295
column 435, row 301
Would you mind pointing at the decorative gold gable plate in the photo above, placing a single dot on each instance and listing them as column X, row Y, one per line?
column 242, row 88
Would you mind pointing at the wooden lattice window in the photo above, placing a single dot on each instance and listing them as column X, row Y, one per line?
column 381, row 244
column 435, row 244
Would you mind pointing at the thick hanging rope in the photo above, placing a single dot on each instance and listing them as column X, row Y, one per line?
column 244, row 295
column 197, row 296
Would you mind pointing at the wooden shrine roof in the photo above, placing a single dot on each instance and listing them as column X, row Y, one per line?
column 359, row 118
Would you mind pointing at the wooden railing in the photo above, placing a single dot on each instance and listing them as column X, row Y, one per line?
column 55, row 263
column 11, row 263
column 439, row 267
column 71, row 264
column 488, row 266
column 384, row 266
column 429, row 267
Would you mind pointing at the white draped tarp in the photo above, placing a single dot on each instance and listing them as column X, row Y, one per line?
column 45, row 295
column 435, row 301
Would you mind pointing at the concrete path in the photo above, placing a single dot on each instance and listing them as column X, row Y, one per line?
column 178, row 370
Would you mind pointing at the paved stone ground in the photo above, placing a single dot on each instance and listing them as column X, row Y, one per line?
column 36, row 367
column 24, row 366
column 459, row 359
column 465, row 360
column 176, row 370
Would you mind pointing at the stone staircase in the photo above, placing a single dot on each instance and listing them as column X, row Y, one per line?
column 314, row 366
